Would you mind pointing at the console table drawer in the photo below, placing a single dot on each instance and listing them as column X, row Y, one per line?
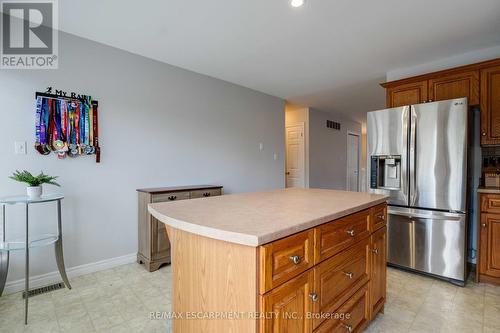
column 173, row 196
column 205, row 193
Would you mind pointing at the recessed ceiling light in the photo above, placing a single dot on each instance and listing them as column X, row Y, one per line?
column 296, row 3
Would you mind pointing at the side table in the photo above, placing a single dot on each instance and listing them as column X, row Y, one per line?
column 6, row 246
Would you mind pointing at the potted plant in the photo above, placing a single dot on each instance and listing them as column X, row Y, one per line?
column 34, row 190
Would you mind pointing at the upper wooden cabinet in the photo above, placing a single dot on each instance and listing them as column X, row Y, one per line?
column 407, row 94
column 490, row 106
column 455, row 86
column 480, row 83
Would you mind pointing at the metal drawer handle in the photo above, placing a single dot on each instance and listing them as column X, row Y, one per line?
column 206, row 194
column 295, row 259
column 375, row 251
column 381, row 217
column 347, row 327
column 173, row 197
column 350, row 232
column 314, row 297
column 350, row 275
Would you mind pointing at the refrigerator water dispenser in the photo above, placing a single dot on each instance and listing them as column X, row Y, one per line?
column 386, row 172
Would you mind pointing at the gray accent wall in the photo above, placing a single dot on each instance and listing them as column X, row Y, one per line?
column 159, row 126
column 328, row 150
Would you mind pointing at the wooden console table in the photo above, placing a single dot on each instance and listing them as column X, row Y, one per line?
column 154, row 246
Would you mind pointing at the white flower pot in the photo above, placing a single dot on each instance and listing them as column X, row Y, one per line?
column 34, row 192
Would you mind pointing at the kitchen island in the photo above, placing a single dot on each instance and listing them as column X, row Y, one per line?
column 290, row 260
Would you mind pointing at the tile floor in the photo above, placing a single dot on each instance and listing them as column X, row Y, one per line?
column 121, row 300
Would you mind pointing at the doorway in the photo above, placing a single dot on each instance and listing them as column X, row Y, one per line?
column 295, row 156
column 353, row 143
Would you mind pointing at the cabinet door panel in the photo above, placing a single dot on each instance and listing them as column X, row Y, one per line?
column 288, row 306
column 455, row 86
column 407, row 94
column 490, row 106
column 378, row 272
column 490, row 245
column 160, row 244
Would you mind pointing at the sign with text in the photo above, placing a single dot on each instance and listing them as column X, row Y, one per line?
column 29, row 34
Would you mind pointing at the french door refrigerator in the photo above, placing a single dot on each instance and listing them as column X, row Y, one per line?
column 418, row 155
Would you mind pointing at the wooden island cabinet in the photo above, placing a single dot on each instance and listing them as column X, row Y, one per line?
column 328, row 277
column 479, row 82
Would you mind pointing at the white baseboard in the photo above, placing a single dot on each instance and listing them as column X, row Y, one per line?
column 54, row 277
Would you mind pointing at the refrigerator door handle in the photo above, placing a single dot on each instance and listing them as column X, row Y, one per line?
column 412, row 160
column 434, row 215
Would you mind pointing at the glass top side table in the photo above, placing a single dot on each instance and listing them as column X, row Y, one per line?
column 31, row 242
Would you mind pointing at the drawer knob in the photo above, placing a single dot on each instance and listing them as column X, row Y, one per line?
column 350, row 275
column 483, row 134
column 172, row 197
column 314, row 297
column 347, row 327
column 375, row 251
column 483, row 225
column 381, row 217
column 295, row 259
column 350, row 232
column 206, row 194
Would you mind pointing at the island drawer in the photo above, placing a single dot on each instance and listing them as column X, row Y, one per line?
column 284, row 259
column 378, row 217
column 172, row 196
column 352, row 316
column 337, row 278
column 205, row 193
column 335, row 236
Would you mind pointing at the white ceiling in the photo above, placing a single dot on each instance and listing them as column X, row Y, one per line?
column 329, row 54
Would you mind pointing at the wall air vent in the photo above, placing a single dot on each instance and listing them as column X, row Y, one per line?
column 333, row 125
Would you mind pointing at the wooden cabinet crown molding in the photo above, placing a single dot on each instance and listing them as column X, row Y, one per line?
column 442, row 73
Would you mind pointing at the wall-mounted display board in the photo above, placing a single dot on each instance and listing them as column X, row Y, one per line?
column 66, row 124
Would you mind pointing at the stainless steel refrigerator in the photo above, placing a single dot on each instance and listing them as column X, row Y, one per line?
column 418, row 155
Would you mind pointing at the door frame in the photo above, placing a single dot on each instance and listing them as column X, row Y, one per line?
column 305, row 152
column 358, row 135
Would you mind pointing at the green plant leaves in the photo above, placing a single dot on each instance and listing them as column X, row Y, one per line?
column 26, row 177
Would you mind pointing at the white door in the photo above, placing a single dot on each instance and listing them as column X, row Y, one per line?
column 352, row 162
column 295, row 156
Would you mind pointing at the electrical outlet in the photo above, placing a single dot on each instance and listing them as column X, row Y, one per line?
column 261, row 146
column 275, row 156
column 20, row 147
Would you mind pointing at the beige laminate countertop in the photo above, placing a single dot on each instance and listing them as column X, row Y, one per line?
column 257, row 218
column 492, row 190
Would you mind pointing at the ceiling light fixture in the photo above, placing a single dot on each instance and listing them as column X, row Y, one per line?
column 296, row 3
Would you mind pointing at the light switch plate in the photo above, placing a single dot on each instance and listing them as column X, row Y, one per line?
column 20, row 147
column 261, row 146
